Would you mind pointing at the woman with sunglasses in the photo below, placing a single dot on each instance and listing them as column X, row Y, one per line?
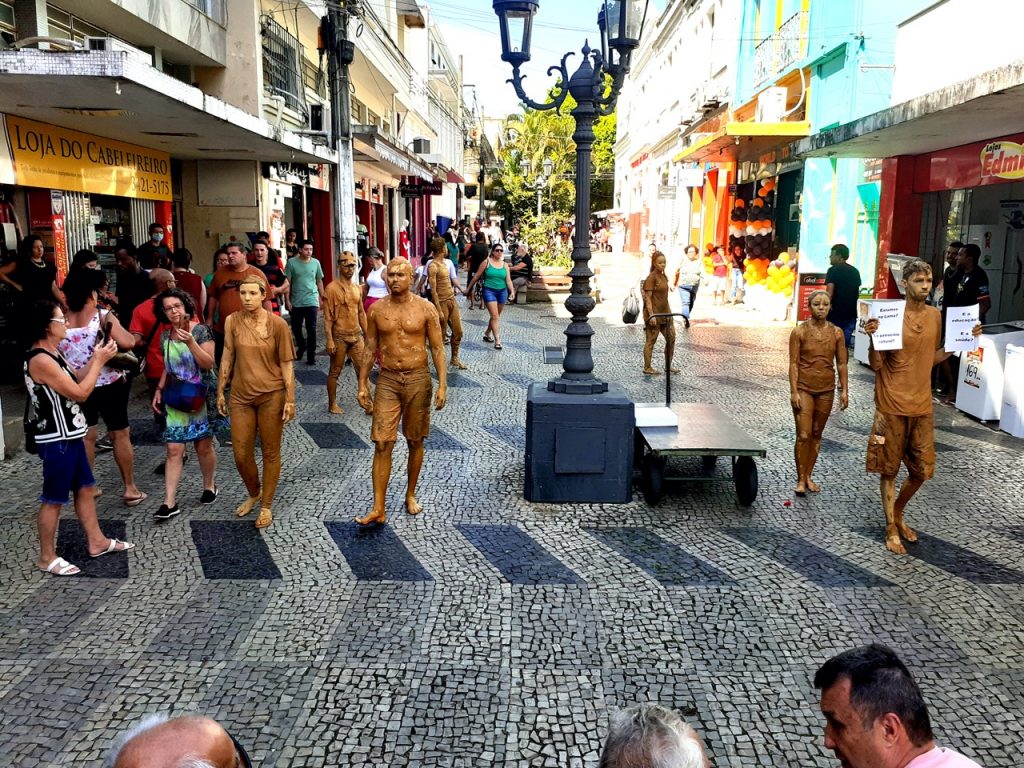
column 56, row 394
column 498, row 290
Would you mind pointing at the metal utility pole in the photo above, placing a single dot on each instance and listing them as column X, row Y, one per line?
column 340, row 54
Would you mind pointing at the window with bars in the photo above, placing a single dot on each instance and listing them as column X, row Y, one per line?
column 282, row 57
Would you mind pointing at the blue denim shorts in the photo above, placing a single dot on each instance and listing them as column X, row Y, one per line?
column 500, row 296
column 65, row 469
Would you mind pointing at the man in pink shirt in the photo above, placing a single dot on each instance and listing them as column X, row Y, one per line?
column 875, row 715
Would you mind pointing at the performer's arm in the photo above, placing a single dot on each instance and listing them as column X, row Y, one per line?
column 226, row 364
column 437, row 352
column 794, row 368
column 876, row 359
column 363, row 392
column 842, row 357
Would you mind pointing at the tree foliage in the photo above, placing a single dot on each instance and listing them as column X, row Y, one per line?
column 534, row 136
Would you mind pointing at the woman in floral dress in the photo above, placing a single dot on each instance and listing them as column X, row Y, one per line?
column 188, row 350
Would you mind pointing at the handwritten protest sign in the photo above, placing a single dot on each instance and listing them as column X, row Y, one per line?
column 889, row 315
column 959, row 323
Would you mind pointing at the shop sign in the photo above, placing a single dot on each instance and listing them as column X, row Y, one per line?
column 809, row 283
column 60, row 240
column 431, row 187
column 288, row 173
column 973, row 165
column 58, row 158
column 362, row 188
column 410, row 189
column 691, row 177
column 640, row 160
column 1004, row 159
column 666, row 193
column 320, row 177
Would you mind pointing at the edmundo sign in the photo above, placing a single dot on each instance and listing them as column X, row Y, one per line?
column 59, row 158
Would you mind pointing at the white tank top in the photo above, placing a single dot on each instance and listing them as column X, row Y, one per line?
column 375, row 280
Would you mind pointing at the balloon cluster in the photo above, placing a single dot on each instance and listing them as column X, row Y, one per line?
column 752, row 228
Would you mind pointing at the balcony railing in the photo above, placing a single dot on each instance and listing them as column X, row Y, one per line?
column 785, row 46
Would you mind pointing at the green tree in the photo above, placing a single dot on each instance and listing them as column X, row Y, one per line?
column 535, row 136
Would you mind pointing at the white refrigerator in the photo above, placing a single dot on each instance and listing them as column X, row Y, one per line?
column 980, row 390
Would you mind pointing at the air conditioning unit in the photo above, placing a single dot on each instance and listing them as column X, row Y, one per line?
column 113, row 45
column 421, row 146
column 771, row 105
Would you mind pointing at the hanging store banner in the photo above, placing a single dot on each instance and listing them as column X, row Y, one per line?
column 60, row 239
column 58, row 158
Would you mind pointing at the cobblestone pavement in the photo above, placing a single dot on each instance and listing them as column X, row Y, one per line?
column 491, row 631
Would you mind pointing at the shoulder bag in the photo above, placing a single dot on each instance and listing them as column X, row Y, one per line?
column 181, row 395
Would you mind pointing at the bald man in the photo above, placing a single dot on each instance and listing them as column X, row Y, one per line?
column 161, row 743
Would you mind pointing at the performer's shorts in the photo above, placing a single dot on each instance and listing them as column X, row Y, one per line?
column 906, row 439
column 402, row 395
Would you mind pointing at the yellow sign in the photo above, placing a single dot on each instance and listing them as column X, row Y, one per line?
column 1004, row 159
column 58, row 158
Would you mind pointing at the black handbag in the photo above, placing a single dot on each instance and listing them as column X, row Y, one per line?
column 631, row 307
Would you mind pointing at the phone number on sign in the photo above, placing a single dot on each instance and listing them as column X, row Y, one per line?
column 153, row 186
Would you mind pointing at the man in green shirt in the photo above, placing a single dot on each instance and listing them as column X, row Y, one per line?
column 307, row 289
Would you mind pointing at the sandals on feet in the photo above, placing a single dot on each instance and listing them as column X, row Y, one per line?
column 61, row 567
column 497, row 345
column 113, row 547
column 134, row 501
column 488, row 339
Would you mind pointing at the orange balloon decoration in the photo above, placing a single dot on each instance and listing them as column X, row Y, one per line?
column 763, row 192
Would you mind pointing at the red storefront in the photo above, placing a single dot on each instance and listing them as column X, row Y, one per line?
column 973, row 193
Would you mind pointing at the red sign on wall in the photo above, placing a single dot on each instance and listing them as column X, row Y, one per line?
column 809, row 283
column 997, row 161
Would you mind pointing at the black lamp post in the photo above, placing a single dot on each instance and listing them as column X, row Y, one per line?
column 620, row 23
column 579, row 429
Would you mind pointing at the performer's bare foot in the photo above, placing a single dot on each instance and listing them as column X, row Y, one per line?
column 905, row 530
column 651, row 371
column 892, row 541
column 264, row 518
column 335, row 408
column 411, row 505
column 459, row 364
column 800, row 489
column 247, row 506
column 812, row 486
column 373, row 516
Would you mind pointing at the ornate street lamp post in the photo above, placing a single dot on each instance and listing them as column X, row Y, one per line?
column 620, row 23
column 579, row 447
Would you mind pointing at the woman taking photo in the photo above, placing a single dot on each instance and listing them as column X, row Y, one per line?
column 182, row 393
column 498, row 290
column 55, row 393
column 85, row 324
column 30, row 275
column 257, row 366
column 816, row 349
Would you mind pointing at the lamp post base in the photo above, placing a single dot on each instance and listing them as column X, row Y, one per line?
column 579, row 445
column 577, row 386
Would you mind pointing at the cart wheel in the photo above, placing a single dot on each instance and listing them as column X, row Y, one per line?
column 708, row 463
column 744, row 473
column 652, row 474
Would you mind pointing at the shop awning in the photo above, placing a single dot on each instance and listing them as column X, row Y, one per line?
column 742, row 141
column 109, row 94
column 370, row 147
column 979, row 109
column 413, row 13
column 454, row 178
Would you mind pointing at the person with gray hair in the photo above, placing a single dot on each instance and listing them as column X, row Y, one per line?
column 182, row 742
column 652, row 736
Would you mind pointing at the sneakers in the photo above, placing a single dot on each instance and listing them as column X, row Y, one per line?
column 166, row 513
column 104, row 444
column 208, row 496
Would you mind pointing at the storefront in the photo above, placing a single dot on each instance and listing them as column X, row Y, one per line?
column 973, row 193
column 298, row 197
column 79, row 191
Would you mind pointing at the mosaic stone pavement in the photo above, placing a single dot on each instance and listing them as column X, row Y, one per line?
column 491, row 631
